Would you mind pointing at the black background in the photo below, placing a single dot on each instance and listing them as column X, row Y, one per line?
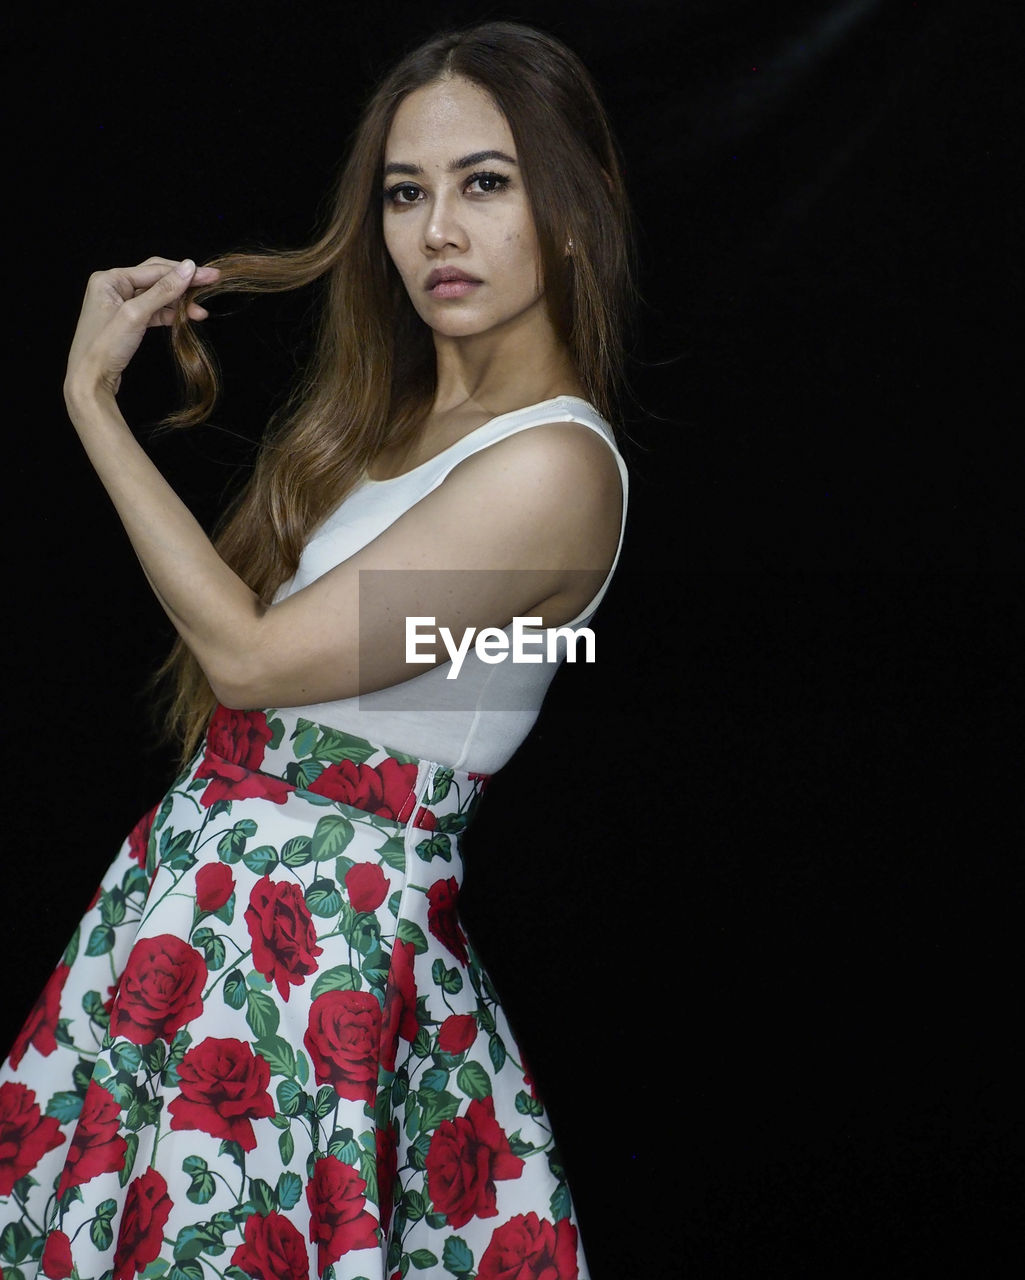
column 748, row 888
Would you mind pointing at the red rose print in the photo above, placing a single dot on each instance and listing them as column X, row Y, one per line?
column 442, row 897
column 96, row 1145
column 457, row 1033
column 425, row 820
column 399, row 1016
column 161, row 989
column 25, row 1134
column 284, row 936
column 385, row 790
column 141, row 1232
column 273, row 1250
column 214, row 886
column 366, row 885
column 343, row 1037
column 138, row 837
column 223, row 1088
column 339, row 1222
column 387, row 1170
column 465, row 1159
column 236, row 743
column 528, row 1248
column 56, row 1259
column 40, row 1028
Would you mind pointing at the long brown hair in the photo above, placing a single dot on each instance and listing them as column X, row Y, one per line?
column 371, row 379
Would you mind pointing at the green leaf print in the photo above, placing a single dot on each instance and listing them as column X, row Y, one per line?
column 474, row 1080
column 101, row 940
column 375, row 968
column 261, row 859
column 262, row 1014
column 334, row 746
column 457, row 1257
column 331, row 836
column 292, row 1098
column 278, row 1053
column 65, row 1107
column 450, row 980
column 289, row 1189
column 125, row 1174
column 126, row 1057
column 560, row 1203
column 297, row 852
column 190, row 1270
column 439, row 846
column 365, row 934
column 15, row 1242
column 196, row 1239
column 232, row 844
column 342, row 977
column 277, row 730
column 263, row 1196
column 393, row 853
column 112, row 906
column 213, row 947
column 323, row 898
column 304, row 738
column 442, row 785
column 409, row 931
column 517, row 1145
column 286, row 1146
column 175, row 853
column 437, row 1105
column 496, row 1052
column 302, row 774
column 422, row 1259
column 234, row 991
column 202, row 1187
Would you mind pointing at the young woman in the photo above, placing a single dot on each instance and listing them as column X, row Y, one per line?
column 270, row 1050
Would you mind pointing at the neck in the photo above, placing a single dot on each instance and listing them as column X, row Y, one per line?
column 503, row 369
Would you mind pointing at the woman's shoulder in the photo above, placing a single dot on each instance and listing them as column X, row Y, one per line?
column 562, row 431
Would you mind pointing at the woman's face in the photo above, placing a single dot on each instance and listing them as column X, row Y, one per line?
column 455, row 202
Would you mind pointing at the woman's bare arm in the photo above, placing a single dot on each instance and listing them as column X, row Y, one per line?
column 546, row 500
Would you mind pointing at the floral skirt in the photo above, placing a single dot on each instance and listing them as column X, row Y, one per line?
column 269, row 1050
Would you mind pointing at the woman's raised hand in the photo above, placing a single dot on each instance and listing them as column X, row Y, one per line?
column 119, row 306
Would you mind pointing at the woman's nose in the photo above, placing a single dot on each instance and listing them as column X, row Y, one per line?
column 444, row 226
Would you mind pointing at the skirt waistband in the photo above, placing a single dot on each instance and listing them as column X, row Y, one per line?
column 272, row 753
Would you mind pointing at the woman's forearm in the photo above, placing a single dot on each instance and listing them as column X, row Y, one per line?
column 213, row 610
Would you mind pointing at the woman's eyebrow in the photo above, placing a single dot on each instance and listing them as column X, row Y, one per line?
column 464, row 162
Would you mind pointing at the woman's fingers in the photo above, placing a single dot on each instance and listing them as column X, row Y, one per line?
column 120, row 305
column 157, row 286
column 129, row 282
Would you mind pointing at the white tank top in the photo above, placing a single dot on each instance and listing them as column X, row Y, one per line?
column 477, row 721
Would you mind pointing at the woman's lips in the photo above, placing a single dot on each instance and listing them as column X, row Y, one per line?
column 450, row 282
column 453, row 288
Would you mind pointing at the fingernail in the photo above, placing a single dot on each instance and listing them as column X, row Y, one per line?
column 185, row 267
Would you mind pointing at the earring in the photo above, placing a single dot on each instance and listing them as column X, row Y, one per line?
column 569, row 245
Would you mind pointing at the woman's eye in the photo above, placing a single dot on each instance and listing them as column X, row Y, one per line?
column 393, row 193
column 489, row 182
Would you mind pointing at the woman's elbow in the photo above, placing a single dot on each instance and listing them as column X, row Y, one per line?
column 239, row 682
